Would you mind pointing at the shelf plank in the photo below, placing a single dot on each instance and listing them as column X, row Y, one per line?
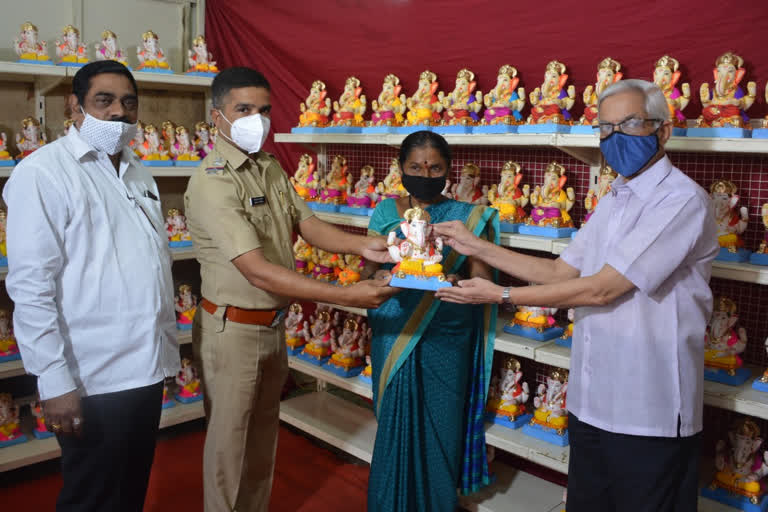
column 181, row 413
column 348, row 309
column 18, row 72
column 742, row 399
column 745, row 272
column 513, row 344
column 527, row 447
column 344, row 219
column 184, row 337
column 185, row 253
column 354, row 384
column 11, row 369
column 171, row 172
column 554, row 355
column 334, row 420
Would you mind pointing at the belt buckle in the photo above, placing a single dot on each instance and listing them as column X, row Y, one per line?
column 278, row 318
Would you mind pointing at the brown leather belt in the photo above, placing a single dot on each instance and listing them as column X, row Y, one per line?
column 243, row 316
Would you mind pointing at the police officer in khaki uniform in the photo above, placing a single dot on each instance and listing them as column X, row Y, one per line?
column 242, row 212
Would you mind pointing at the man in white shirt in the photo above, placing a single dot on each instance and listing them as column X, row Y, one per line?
column 89, row 273
column 638, row 275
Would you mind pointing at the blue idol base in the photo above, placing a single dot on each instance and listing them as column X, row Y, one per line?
column 343, row 129
column 324, row 207
column 507, row 227
column 494, row 128
column 583, row 129
column 157, row 163
column 307, row 129
column 365, row 378
column 546, row 434
column 755, row 258
column 760, row 386
column 453, row 130
column 727, row 133
column 39, row 62
column 760, row 133
column 378, row 130
column 186, row 163
column 21, row 439
column 564, row 342
column 71, row 64
column 42, row 435
column 180, row 244
column 168, row 404
column 735, row 500
column 721, row 376
column 206, row 74
column 183, row 327
column 546, row 231
column 312, row 359
column 294, row 351
column 504, row 421
column 341, row 372
column 573, row 235
column 533, row 333
column 11, row 357
column 4, row 263
column 405, row 130
column 544, row 128
column 679, row 132
column 7, row 163
column 416, row 283
column 190, row 399
column 740, row 256
column 161, row 71
column 352, row 210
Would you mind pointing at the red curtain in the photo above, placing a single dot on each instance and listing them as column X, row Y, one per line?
column 296, row 42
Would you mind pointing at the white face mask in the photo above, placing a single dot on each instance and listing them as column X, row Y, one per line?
column 249, row 133
column 106, row 136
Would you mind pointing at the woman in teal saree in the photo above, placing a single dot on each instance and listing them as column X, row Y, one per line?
column 431, row 360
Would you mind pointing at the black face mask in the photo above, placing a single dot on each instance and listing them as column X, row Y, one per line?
column 423, row 189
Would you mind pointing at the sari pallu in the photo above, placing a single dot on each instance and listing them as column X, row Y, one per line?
column 431, row 368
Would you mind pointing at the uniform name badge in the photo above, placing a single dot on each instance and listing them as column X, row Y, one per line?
column 256, row 201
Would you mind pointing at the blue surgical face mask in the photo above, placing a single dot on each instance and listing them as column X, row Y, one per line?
column 627, row 154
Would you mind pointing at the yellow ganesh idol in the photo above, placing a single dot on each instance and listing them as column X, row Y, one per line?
column 507, row 396
column 550, row 419
column 388, row 108
column 550, row 103
column 607, row 74
column 423, row 107
column 551, row 203
column 723, row 345
column 509, row 199
column 314, row 110
column 666, row 74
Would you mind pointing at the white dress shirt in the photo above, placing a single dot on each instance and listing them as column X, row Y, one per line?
column 638, row 364
column 89, row 271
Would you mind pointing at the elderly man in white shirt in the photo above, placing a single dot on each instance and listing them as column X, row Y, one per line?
column 89, row 273
column 638, row 274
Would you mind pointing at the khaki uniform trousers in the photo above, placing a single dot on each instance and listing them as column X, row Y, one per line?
column 244, row 368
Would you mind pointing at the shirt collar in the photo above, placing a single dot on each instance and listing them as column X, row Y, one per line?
column 235, row 157
column 645, row 183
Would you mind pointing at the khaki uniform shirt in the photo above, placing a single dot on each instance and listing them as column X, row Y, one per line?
column 234, row 204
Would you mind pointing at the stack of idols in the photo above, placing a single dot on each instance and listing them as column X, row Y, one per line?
column 173, row 145
column 461, row 110
column 315, row 263
column 340, row 345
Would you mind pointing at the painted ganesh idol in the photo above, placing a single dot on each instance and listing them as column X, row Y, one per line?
column 566, row 339
column 10, row 432
column 176, row 227
column 607, row 74
column 468, row 189
column 551, row 102
column 186, row 306
column 604, row 183
column 349, row 110
column 5, row 156
column 462, row 106
column 189, row 383
column 9, row 350
column 108, row 48
column 334, row 190
column 731, row 221
column 348, row 358
column 423, row 107
column 305, row 180
column 392, row 186
column 302, row 254
column 362, row 198
column 534, row 322
column 322, row 334
column 762, row 132
column 419, row 256
column 29, row 49
column 296, row 329
column 741, row 467
column 503, row 104
column 388, row 108
column 725, row 106
column 151, row 56
column 666, row 75
column 41, row 430
column 507, row 396
column 200, row 59
column 70, row 50
column 314, row 110
column 760, row 256
column 550, row 419
column 724, row 344
column 31, row 138
column 508, row 199
column 551, row 204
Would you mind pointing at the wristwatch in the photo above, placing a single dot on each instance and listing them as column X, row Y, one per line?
column 505, row 295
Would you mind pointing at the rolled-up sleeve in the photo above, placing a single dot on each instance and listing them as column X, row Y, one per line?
column 659, row 244
column 37, row 218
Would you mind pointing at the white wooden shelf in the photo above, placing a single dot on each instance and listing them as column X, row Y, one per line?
column 742, row 399
column 184, row 337
column 553, row 354
column 354, row 384
column 157, row 172
column 11, row 369
column 18, row 72
column 527, row 447
column 185, row 253
column 38, row 450
column 512, row 344
column 348, row 309
column 344, row 219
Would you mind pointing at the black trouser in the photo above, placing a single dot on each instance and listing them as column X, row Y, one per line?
column 107, row 468
column 618, row 472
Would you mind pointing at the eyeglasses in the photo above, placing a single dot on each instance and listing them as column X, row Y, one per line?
column 631, row 126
